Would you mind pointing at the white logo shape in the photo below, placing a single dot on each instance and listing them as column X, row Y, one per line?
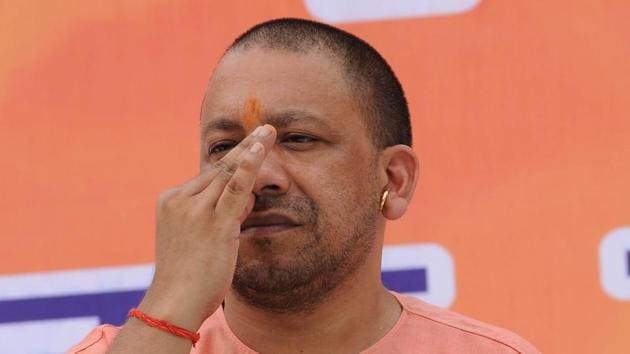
column 438, row 266
column 336, row 11
column 614, row 263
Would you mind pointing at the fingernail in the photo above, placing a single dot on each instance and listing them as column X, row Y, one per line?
column 265, row 130
column 256, row 148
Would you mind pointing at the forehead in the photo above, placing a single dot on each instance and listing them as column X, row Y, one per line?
column 282, row 81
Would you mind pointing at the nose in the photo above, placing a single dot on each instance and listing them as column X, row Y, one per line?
column 272, row 177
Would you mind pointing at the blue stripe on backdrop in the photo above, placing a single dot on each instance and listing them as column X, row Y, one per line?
column 109, row 307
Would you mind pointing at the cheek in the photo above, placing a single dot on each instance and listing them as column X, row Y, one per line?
column 341, row 187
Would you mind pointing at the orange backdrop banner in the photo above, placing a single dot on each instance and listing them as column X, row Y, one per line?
column 521, row 117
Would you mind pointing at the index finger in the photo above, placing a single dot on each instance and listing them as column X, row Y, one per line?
column 229, row 162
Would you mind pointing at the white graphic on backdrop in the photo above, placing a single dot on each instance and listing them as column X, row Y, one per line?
column 339, row 11
column 436, row 263
column 614, row 263
column 75, row 282
column 44, row 336
column 58, row 309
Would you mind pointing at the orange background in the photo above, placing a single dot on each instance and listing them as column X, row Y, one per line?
column 521, row 114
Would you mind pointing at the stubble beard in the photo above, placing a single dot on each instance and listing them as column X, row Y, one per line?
column 330, row 255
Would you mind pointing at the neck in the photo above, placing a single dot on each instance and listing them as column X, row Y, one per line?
column 356, row 315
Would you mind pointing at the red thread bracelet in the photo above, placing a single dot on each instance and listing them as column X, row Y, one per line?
column 164, row 325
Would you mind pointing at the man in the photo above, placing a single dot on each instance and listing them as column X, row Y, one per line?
column 275, row 247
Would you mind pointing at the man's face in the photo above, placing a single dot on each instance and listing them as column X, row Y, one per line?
column 314, row 219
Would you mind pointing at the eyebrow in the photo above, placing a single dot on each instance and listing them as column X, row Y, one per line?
column 222, row 124
column 287, row 117
column 279, row 120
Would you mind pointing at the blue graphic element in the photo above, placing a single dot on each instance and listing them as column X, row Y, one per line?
column 406, row 281
column 109, row 307
column 628, row 261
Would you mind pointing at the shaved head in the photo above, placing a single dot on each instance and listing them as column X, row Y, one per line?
column 378, row 92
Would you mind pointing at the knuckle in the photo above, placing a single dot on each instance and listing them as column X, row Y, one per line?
column 248, row 165
column 162, row 198
column 225, row 167
column 167, row 199
column 235, row 186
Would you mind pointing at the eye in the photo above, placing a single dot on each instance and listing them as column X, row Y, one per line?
column 299, row 139
column 220, row 147
column 299, row 142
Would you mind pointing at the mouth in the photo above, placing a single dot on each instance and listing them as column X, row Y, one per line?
column 267, row 224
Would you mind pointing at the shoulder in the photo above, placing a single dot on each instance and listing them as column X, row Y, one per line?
column 460, row 330
column 97, row 341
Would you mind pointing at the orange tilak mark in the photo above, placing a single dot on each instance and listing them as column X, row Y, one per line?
column 251, row 114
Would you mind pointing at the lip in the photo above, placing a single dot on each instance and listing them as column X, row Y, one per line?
column 267, row 230
column 267, row 224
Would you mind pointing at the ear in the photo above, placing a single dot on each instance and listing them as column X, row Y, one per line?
column 400, row 170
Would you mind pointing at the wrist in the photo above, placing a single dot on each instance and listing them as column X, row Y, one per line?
column 177, row 307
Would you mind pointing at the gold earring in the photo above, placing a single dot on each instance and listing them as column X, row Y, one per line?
column 384, row 199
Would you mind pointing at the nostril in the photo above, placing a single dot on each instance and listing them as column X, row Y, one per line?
column 269, row 189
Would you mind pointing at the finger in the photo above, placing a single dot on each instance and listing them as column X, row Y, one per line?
column 227, row 163
column 211, row 194
column 199, row 182
column 251, row 199
column 221, row 175
column 235, row 196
